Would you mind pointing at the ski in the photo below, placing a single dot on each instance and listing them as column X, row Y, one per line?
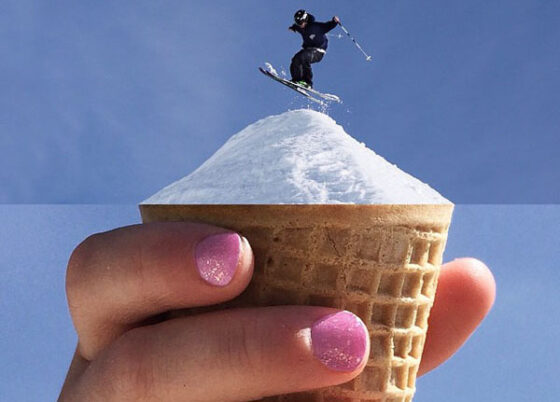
column 300, row 90
column 325, row 96
column 309, row 93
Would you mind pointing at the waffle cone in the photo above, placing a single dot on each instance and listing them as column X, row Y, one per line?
column 380, row 262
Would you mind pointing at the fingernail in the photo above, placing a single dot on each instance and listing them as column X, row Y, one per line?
column 217, row 257
column 339, row 341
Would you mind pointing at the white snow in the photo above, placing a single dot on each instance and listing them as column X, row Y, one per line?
column 298, row 157
column 270, row 68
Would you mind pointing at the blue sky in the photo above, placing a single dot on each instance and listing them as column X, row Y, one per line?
column 512, row 357
column 107, row 102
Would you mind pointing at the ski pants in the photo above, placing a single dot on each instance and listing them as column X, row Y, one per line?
column 301, row 64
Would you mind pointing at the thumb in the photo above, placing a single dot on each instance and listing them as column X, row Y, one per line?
column 239, row 354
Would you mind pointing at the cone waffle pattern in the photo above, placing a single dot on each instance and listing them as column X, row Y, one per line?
column 386, row 273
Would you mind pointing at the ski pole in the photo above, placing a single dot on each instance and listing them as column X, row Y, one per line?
column 368, row 58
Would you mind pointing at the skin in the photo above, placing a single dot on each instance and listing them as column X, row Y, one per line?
column 119, row 282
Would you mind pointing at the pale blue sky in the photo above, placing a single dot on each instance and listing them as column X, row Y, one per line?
column 512, row 357
column 107, row 102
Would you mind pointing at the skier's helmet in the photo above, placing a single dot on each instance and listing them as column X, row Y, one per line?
column 301, row 16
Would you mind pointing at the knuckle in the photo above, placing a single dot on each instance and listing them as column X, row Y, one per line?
column 244, row 345
column 128, row 371
column 80, row 263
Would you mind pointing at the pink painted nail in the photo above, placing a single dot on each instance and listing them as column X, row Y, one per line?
column 217, row 257
column 339, row 341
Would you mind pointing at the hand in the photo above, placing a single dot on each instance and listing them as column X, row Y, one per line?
column 336, row 19
column 118, row 284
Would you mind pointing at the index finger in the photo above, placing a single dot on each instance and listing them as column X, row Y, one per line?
column 116, row 280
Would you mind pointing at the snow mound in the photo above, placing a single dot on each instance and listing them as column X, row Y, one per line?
column 298, row 157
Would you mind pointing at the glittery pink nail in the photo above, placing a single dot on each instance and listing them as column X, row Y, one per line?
column 217, row 257
column 339, row 341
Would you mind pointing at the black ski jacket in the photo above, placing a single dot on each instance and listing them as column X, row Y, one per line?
column 314, row 33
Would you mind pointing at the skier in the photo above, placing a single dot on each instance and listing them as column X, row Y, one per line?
column 314, row 46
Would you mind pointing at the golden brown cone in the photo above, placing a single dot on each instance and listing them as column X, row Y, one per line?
column 379, row 261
